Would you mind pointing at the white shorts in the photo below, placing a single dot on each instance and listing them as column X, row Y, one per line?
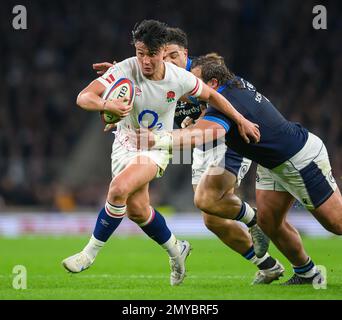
column 122, row 155
column 221, row 157
column 307, row 175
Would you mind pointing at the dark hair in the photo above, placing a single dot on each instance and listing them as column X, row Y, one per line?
column 152, row 33
column 177, row 36
column 213, row 66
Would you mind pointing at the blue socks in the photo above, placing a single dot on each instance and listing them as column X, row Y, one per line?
column 108, row 220
column 155, row 227
column 111, row 216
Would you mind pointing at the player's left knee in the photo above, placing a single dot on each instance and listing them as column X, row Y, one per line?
column 117, row 191
column 198, row 200
column 203, row 201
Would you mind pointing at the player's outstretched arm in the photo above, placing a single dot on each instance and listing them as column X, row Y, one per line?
column 202, row 132
column 102, row 67
column 249, row 131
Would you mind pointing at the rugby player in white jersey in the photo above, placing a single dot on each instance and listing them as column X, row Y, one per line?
column 158, row 86
column 236, row 166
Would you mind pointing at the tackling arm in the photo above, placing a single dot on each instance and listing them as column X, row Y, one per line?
column 203, row 131
column 249, row 131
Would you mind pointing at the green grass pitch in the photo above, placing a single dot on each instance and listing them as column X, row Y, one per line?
column 136, row 268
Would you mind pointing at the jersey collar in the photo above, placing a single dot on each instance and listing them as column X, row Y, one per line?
column 224, row 86
column 188, row 64
column 221, row 88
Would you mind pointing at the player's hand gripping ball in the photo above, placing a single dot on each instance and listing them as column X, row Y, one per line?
column 123, row 88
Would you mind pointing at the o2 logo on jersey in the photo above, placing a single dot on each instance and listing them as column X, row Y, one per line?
column 149, row 119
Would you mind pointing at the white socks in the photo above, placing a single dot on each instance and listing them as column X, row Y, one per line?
column 255, row 260
column 93, row 247
column 172, row 246
column 249, row 214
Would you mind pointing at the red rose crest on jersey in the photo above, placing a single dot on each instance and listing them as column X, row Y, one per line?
column 170, row 96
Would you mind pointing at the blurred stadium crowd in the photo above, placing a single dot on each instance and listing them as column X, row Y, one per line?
column 270, row 43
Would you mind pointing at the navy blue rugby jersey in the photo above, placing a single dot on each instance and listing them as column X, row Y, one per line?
column 185, row 109
column 280, row 139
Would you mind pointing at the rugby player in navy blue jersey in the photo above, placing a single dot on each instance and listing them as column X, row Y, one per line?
column 236, row 166
column 292, row 164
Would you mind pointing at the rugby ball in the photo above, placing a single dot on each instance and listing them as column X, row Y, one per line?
column 120, row 89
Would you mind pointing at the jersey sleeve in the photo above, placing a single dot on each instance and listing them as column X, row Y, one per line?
column 113, row 74
column 214, row 115
column 192, row 85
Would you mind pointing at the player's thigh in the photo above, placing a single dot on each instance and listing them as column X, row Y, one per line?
column 273, row 206
column 225, row 173
column 272, row 200
column 138, row 172
column 203, row 159
column 209, row 175
column 215, row 223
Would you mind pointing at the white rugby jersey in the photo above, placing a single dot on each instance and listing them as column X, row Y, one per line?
column 155, row 101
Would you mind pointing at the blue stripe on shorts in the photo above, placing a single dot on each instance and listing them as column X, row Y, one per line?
column 316, row 184
column 233, row 161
